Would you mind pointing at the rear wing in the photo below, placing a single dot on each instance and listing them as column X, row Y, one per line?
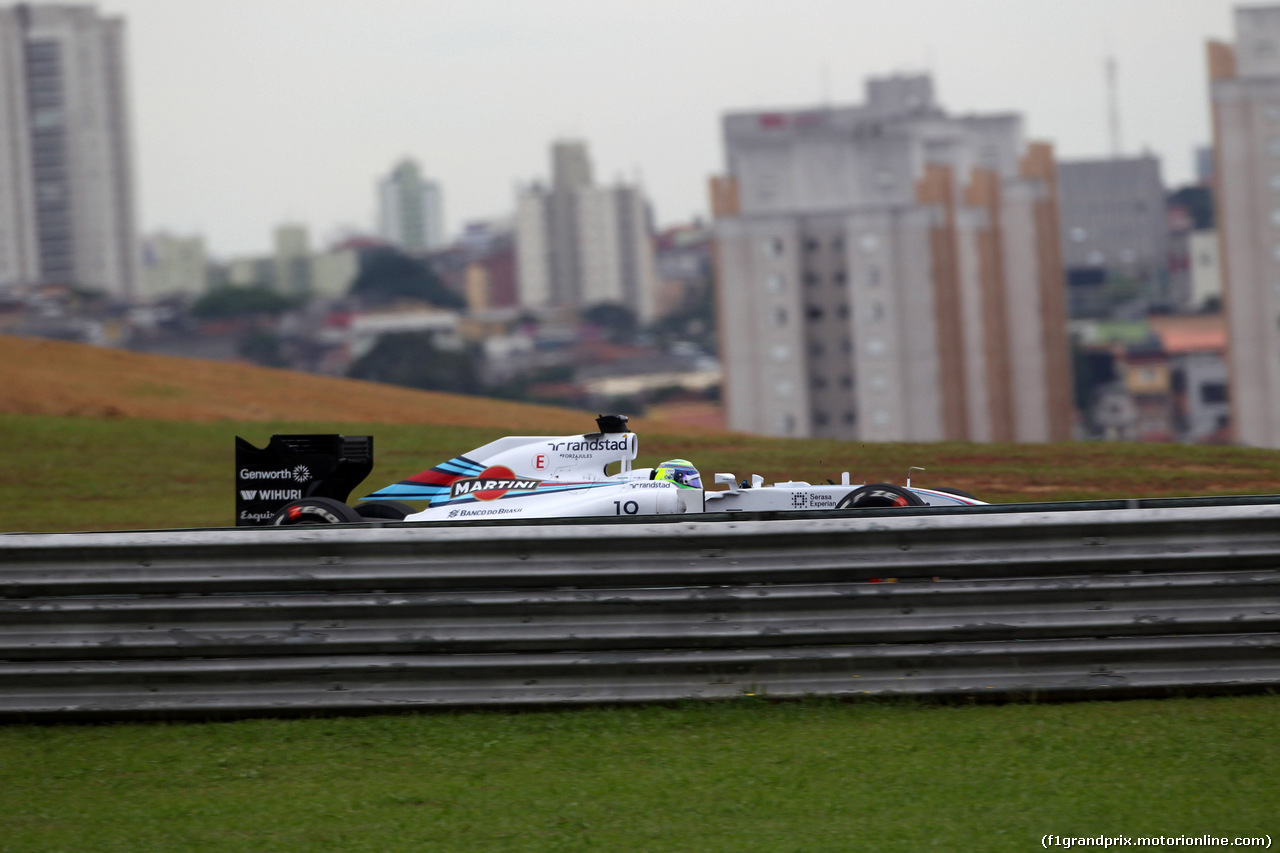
column 292, row 467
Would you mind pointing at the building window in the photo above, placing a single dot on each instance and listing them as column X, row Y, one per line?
column 814, row 313
column 848, row 418
column 1275, row 181
column 1273, row 146
column 1078, row 234
column 810, row 278
column 846, row 381
column 780, row 316
column 840, row 278
column 817, row 350
column 773, row 247
column 781, row 352
column 873, row 276
column 842, row 311
column 782, row 388
column 775, row 282
column 47, row 118
column 877, row 311
column 821, row 418
column 875, row 346
column 819, row 383
column 1213, row 392
column 811, row 245
column 869, row 243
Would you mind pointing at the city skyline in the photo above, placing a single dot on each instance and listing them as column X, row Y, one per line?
column 250, row 114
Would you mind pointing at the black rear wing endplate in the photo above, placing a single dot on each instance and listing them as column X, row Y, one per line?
column 292, row 467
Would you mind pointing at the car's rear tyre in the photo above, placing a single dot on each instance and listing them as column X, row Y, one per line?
column 384, row 510
column 315, row 511
column 878, row 495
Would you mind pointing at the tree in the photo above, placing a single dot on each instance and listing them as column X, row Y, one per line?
column 229, row 301
column 619, row 320
column 1198, row 202
column 412, row 359
column 387, row 275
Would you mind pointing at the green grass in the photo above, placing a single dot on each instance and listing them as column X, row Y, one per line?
column 61, row 473
column 802, row 776
column 749, row 775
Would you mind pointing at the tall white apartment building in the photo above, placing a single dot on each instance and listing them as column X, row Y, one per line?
column 66, row 168
column 410, row 209
column 889, row 272
column 172, row 265
column 292, row 260
column 1245, row 91
column 579, row 245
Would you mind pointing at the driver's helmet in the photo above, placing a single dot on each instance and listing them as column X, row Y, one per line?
column 679, row 471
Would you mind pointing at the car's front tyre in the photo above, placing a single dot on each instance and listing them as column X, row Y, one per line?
column 957, row 492
column 879, row 495
column 384, row 510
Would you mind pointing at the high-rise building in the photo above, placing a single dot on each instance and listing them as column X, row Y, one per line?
column 889, row 272
column 292, row 260
column 172, row 265
column 410, row 209
column 66, row 167
column 1205, row 268
column 1203, row 164
column 1114, row 219
column 579, row 244
column 1245, row 91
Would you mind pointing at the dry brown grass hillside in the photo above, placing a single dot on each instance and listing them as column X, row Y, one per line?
column 57, row 378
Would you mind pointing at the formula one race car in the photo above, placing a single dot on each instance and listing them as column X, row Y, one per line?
column 522, row 477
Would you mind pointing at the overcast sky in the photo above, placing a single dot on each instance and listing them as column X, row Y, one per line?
column 250, row 113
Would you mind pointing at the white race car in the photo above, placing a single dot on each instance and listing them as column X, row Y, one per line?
column 522, row 477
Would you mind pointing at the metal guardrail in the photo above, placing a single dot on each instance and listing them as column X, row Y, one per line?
column 1024, row 600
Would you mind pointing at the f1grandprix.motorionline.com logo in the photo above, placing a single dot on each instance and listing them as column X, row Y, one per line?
column 492, row 484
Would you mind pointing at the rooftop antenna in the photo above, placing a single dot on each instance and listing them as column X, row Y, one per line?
column 1113, row 108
